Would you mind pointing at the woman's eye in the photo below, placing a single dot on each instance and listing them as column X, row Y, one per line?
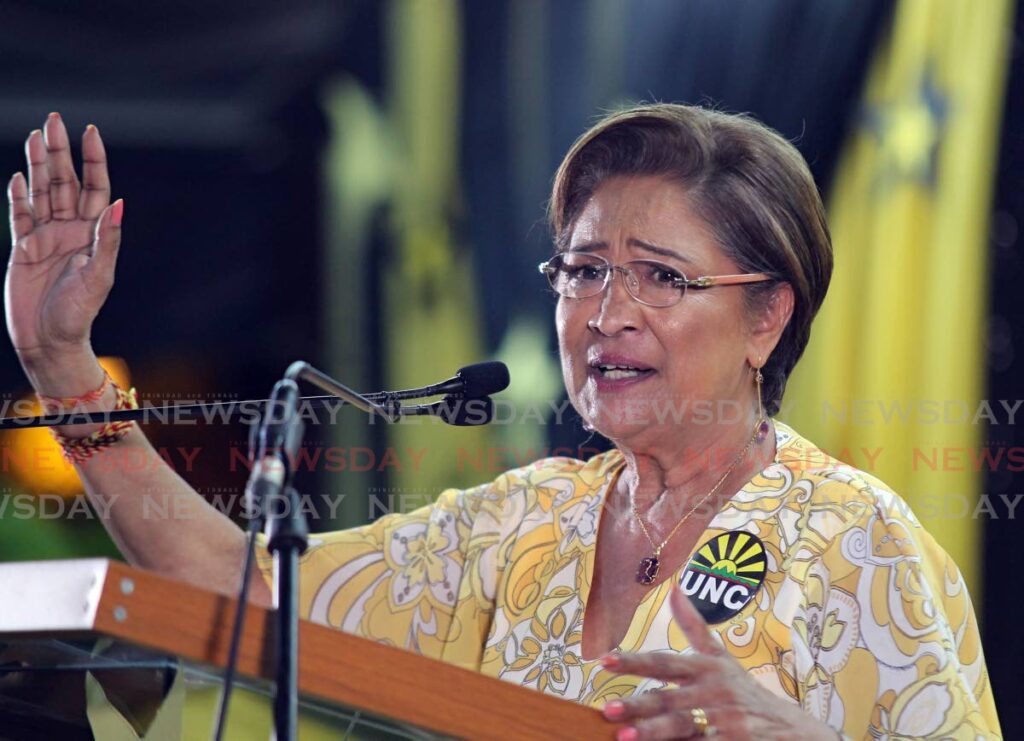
column 582, row 272
column 664, row 275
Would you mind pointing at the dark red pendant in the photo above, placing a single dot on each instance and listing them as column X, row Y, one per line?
column 648, row 570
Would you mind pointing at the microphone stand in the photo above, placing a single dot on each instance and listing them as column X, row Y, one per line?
column 288, row 532
column 288, row 539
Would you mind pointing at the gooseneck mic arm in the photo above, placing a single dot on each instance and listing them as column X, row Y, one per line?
column 301, row 370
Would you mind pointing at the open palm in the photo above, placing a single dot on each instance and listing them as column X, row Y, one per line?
column 64, row 238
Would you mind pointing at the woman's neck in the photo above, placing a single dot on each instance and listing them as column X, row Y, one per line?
column 687, row 472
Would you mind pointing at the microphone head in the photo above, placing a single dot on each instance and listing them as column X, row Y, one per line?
column 466, row 412
column 483, row 379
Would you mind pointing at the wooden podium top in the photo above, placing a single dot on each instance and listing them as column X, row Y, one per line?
column 93, row 597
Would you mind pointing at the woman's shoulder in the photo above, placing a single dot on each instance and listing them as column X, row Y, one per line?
column 830, row 490
column 569, row 476
column 820, row 509
column 799, row 453
column 598, row 467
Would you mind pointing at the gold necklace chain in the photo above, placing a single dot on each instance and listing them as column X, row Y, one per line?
column 716, row 487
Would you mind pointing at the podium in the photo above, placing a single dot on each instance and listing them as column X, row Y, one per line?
column 59, row 610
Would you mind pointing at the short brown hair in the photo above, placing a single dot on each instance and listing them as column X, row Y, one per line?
column 750, row 185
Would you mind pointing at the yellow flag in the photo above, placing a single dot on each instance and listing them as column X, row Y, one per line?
column 429, row 300
column 893, row 379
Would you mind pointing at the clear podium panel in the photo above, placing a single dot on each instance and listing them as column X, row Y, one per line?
column 104, row 689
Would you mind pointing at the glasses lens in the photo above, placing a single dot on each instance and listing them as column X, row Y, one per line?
column 655, row 283
column 577, row 274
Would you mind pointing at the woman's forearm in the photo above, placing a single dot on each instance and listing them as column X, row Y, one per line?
column 161, row 523
column 156, row 519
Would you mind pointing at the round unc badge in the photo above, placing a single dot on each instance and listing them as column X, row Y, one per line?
column 725, row 574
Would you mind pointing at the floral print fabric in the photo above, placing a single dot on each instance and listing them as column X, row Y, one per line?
column 862, row 619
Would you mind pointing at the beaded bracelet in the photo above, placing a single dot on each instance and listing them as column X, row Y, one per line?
column 70, row 402
column 80, row 449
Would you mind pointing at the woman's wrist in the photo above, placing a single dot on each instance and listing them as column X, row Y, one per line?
column 72, row 372
column 60, row 379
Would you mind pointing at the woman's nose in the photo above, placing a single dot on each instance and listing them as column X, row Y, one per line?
column 617, row 310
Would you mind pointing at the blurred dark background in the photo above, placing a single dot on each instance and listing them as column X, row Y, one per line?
column 303, row 180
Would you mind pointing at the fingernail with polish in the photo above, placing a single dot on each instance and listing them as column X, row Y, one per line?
column 614, row 709
column 627, row 734
column 117, row 212
column 610, row 661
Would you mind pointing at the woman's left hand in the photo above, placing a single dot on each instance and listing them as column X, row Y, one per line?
column 710, row 680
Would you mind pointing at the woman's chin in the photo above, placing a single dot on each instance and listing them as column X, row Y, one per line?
column 622, row 412
column 620, row 429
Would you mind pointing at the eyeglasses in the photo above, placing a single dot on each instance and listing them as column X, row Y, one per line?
column 652, row 283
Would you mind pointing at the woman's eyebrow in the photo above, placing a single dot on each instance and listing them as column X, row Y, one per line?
column 661, row 251
column 589, row 247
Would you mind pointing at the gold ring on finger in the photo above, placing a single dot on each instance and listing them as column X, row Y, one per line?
column 700, row 723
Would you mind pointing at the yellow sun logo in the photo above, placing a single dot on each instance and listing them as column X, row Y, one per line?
column 735, row 555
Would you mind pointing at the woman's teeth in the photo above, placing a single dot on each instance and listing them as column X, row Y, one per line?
column 616, row 372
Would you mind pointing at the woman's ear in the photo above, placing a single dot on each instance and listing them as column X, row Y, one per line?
column 769, row 322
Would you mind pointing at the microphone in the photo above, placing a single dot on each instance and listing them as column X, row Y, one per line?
column 455, row 411
column 472, row 382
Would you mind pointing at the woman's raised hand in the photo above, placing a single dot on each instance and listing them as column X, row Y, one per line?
column 65, row 237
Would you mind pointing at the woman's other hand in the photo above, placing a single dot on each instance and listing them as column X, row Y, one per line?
column 65, row 236
column 736, row 706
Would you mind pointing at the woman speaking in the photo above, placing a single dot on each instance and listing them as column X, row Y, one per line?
column 707, row 575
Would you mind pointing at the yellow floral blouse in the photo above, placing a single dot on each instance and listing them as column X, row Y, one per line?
column 853, row 611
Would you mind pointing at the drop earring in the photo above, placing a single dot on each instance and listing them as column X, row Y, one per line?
column 763, row 426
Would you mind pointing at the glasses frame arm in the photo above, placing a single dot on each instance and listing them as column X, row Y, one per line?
column 707, row 281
